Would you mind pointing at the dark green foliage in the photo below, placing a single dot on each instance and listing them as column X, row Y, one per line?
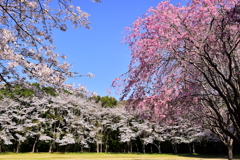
column 108, row 101
column 50, row 91
column 16, row 90
column 96, row 99
column 20, row 91
column 105, row 101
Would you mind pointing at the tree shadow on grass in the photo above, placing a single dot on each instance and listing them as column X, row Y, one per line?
column 209, row 156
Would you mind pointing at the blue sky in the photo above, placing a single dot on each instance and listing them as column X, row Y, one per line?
column 99, row 50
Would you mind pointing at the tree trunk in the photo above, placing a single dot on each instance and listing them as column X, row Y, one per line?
column 34, row 145
column 18, row 147
column 81, row 148
column 230, row 148
column 106, row 147
column 130, row 146
column 175, row 147
column 175, row 150
column 137, row 147
column 51, row 147
column 190, row 148
column 159, row 148
column 97, row 149
column 101, row 147
column 193, row 149
column 143, row 148
column 0, row 145
column 106, row 144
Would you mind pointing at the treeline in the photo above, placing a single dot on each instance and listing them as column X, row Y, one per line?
column 72, row 121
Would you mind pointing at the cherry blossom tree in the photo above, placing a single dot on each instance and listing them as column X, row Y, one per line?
column 26, row 48
column 108, row 118
column 143, row 130
column 159, row 135
column 127, row 132
column 186, row 57
column 73, row 120
column 6, row 123
column 227, row 124
column 54, row 118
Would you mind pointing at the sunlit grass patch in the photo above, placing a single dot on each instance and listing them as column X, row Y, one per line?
column 102, row 156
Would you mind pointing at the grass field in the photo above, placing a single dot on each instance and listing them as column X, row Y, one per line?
column 103, row 156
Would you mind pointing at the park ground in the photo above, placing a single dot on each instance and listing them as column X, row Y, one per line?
column 107, row 156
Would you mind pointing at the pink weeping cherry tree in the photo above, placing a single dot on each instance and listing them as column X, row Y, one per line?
column 26, row 42
column 186, row 58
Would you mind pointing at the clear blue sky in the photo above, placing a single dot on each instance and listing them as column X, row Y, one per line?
column 99, row 50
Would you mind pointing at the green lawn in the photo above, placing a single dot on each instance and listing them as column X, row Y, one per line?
column 102, row 156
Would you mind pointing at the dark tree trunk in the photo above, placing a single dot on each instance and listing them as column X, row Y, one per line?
column 129, row 146
column 193, row 149
column 227, row 140
column 175, row 147
column 81, row 148
column 0, row 145
column 106, row 144
column 190, row 148
column 101, row 147
column 137, row 147
column 158, row 146
column 143, row 147
column 230, row 148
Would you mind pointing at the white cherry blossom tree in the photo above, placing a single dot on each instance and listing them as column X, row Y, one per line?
column 26, row 42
